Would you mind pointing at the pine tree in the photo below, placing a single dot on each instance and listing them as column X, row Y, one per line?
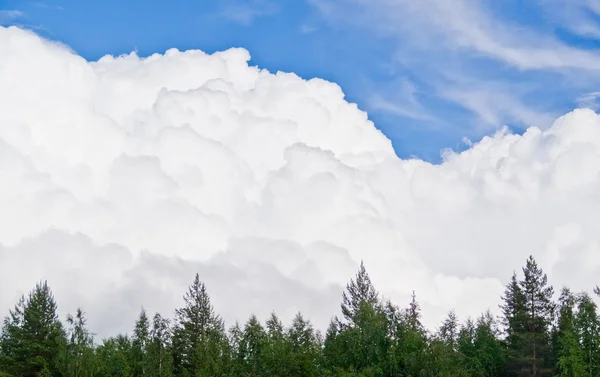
column 539, row 308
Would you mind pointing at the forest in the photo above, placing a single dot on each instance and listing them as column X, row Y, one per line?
column 538, row 333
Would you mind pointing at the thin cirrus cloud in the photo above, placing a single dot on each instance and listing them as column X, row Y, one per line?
column 515, row 49
column 123, row 177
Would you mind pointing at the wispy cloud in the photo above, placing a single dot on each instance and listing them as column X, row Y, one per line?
column 308, row 28
column 7, row 16
column 401, row 100
column 589, row 100
column 245, row 11
column 499, row 67
column 43, row 5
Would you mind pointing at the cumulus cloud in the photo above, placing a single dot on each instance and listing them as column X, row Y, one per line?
column 121, row 178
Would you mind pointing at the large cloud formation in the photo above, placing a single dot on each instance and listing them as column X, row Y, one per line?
column 122, row 178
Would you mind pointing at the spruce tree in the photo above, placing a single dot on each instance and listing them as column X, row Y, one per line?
column 363, row 336
column 305, row 348
column 277, row 350
column 199, row 341
column 539, row 310
column 253, row 348
column 10, row 340
column 357, row 291
column 514, row 321
column 33, row 339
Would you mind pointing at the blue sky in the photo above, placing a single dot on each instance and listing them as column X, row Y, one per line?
column 430, row 72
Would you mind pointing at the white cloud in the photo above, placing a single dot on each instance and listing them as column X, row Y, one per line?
column 123, row 177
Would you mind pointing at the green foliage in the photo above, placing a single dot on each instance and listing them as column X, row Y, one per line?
column 373, row 338
column 33, row 338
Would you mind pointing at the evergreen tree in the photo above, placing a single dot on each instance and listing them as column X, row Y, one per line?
column 253, row 348
column 277, row 351
column 514, row 321
column 539, row 308
column 199, row 341
column 236, row 366
column 10, row 344
column 363, row 337
column 408, row 340
column 357, row 291
column 305, row 349
column 449, row 330
column 33, row 339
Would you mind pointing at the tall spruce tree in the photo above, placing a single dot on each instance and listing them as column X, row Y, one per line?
column 362, row 338
column 539, row 310
column 199, row 341
column 514, row 321
column 358, row 291
column 33, row 339
column 253, row 348
column 277, row 352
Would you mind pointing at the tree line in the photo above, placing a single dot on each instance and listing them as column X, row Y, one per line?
column 534, row 336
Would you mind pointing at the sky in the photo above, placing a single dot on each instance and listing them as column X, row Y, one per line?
column 272, row 146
